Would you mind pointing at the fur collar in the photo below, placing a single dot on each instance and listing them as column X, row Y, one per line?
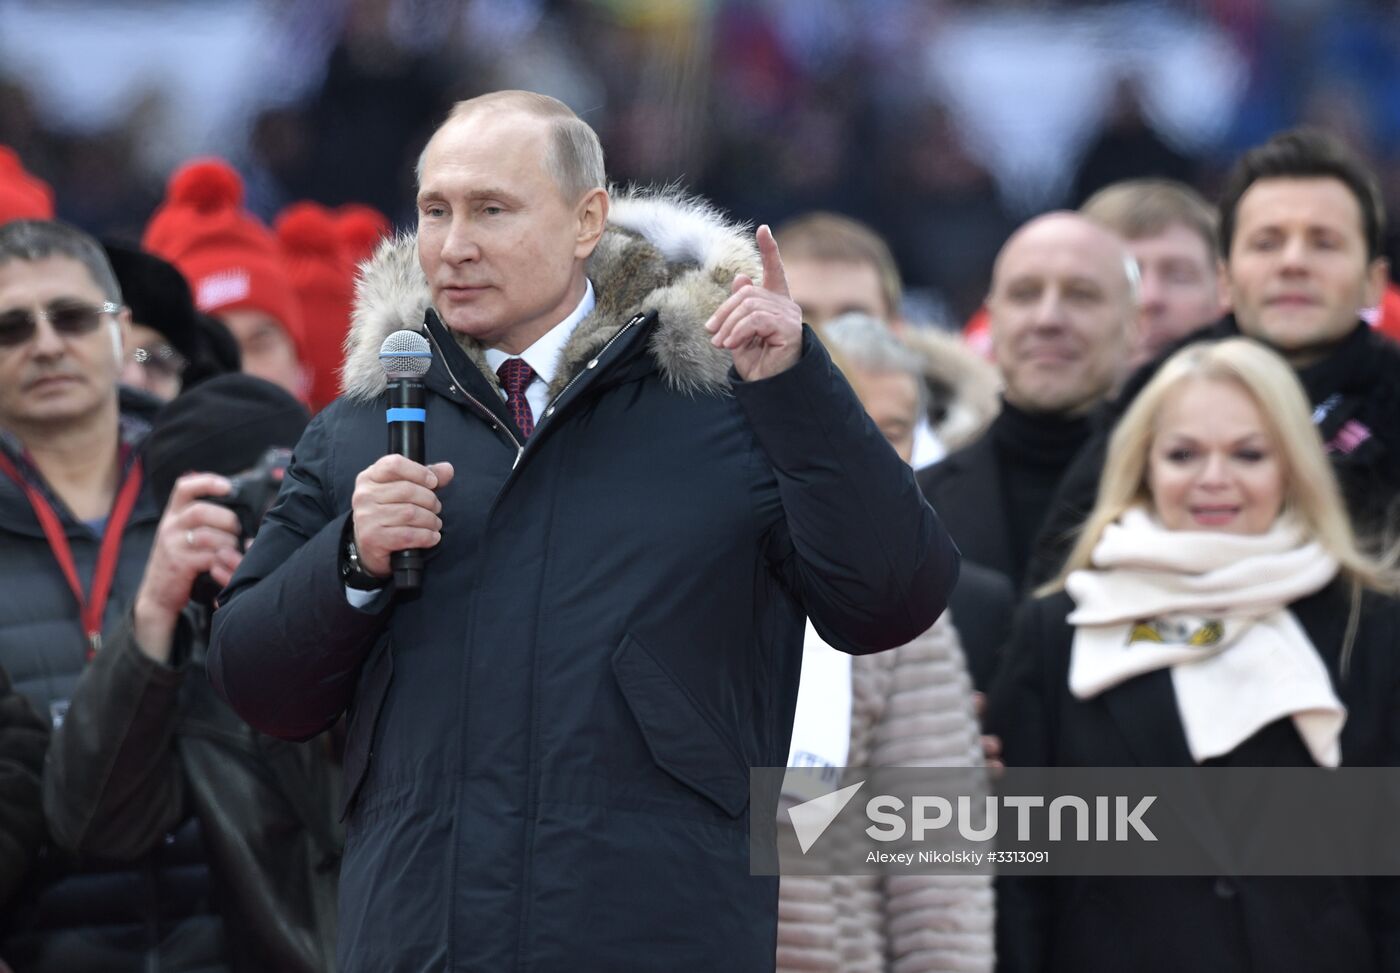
column 662, row 251
column 966, row 389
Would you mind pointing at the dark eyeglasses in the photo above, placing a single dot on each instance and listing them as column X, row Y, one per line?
column 69, row 318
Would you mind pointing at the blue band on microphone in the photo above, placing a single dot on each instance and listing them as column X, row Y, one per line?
column 405, row 415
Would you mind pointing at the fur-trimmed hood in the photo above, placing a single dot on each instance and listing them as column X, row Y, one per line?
column 662, row 251
column 965, row 389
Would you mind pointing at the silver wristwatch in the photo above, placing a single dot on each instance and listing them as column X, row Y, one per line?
column 352, row 570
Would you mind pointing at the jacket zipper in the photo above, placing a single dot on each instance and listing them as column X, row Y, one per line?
column 487, row 413
column 549, row 409
column 592, row 363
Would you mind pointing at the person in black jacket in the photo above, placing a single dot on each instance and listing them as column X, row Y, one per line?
column 23, row 738
column 1063, row 308
column 69, row 441
column 76, row 524
column 147, row 749
column 1302, row 227
column 644, row 474
column 1216, row 611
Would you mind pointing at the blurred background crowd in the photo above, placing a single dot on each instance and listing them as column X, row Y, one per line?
column 941, row 123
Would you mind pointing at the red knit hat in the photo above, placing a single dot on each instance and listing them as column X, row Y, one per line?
column 231, row 260
column 361, row 228
column 324, row 281
column 23, row 196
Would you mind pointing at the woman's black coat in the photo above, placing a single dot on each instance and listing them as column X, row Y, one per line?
column 1204, row 924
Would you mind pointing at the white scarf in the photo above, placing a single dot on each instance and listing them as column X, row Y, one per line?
column 1158, row 597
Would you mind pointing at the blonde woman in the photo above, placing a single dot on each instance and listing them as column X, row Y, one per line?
column 1219, row 554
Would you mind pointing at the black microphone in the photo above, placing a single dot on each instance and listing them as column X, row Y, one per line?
column 406, row 358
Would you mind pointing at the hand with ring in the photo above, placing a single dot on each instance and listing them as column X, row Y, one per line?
column 194, row 538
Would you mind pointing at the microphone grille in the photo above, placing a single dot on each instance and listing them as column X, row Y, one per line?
column 405, row 354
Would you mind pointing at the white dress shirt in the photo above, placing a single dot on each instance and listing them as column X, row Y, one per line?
column 543, row 355
column 928, row 448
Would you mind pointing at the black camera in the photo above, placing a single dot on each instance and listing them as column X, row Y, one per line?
column 255, row 489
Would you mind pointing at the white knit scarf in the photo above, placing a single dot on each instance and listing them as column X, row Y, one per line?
column 1158, row 597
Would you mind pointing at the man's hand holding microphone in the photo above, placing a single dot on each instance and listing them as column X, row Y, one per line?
column 394, row 508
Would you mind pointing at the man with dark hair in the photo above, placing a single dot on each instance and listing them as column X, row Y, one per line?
column 68, row 443
column 75, row 527
column 1304, row 155
column 1301, row 225
column 1171, row 233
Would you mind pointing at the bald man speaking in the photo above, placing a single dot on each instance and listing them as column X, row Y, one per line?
column 644, row 475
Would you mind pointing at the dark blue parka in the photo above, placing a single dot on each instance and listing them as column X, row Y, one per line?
column 548, row 752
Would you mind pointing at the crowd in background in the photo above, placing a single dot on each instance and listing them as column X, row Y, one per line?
column 942, row 124
column 931, row 125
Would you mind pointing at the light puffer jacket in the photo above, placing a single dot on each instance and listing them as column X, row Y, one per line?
column 911, row 707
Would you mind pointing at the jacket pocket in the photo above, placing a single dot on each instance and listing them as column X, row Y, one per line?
column 682, row 741
column 373, row 687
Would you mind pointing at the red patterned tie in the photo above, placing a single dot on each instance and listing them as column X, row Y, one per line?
column 516, row 375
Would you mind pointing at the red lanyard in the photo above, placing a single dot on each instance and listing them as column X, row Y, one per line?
column 90, row 608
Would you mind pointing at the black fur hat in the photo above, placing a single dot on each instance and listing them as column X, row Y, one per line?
column 158, row 296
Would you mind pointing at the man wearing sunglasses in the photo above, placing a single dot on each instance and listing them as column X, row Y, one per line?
column 76, row 526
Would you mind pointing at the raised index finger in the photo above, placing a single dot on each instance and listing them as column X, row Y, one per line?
column 774, row 277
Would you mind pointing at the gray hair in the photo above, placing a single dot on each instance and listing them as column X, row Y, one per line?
column 868, row 343
column 31, row 240
column 575, row 158
column 860, row 341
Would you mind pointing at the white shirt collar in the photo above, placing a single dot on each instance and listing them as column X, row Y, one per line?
column 543, row 355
